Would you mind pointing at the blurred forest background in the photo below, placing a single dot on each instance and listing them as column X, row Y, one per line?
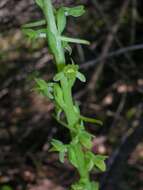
column 113, row 93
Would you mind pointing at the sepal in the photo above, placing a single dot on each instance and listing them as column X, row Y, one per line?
column 74, row 11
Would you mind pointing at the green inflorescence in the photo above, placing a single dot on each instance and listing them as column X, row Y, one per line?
column 59, row 91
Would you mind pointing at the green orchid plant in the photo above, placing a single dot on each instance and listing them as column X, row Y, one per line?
column 59, row 91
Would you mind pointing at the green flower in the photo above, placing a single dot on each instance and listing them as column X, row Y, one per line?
column 71, row 73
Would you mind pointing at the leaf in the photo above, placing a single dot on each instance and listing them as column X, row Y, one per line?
column 58, row 94
column 75, row 11
column 89, row 160
column 34, row 34
column 58, row 76
column 41, row 83
column 99, row 161
column 30, row 33
column 57, row 145
column 34, row 24
column 90, row 165
column 91, row 120
column 76, row 156
column 60, row 147
column 39, row 3
column 75, row 140
column 46, row 89
column 62, row 156
column 80, row 76
column 61, row 20
column 58, row 112
column 52, row 41
column 72, row 156
column 76, row 109
column 74, row 40
column 86, row 139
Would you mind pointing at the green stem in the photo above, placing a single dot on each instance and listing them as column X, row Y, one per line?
column 83, row 173
column 72, row 119
column 49, row 15
column 69, row 110
column 58, row 52
column 52, row 27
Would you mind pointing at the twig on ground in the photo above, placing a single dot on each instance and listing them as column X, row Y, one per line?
column 107, row 46
column 121, row 51
column 118, row 160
